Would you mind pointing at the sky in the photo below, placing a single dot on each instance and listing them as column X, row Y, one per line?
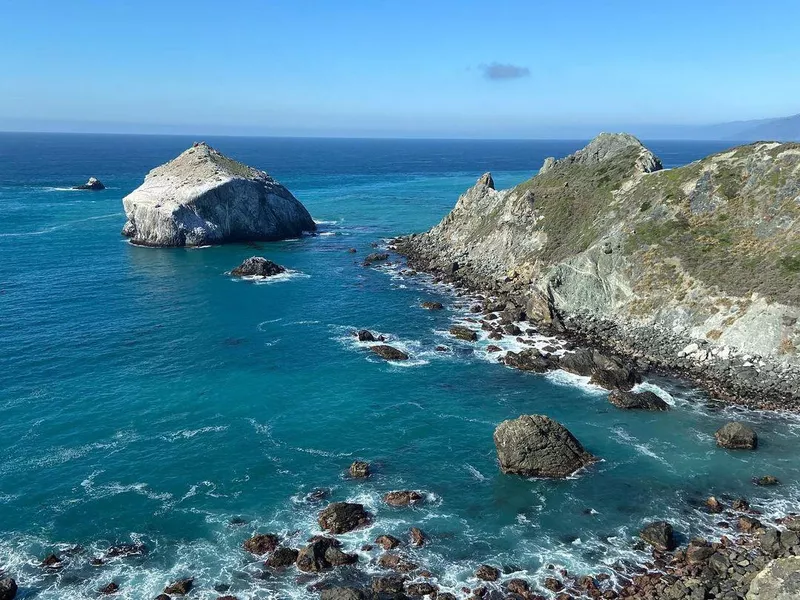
column 364, row 68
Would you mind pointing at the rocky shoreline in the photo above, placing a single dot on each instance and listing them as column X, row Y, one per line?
column 754, row 382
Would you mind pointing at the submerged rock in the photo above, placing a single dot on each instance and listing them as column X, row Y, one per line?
column 203, row 197
column 92, row 184
column 375, row 257
column 257, row 266
column 111, row 588
column 341, row 517
column 659, row 535
column 180, row 587
column 428, row 305
column 389, row 352
column 736, row 436
column 637, row 400
column 537, row 446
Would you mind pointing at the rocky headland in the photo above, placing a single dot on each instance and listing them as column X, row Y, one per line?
column 203, row 197
column 692, row 271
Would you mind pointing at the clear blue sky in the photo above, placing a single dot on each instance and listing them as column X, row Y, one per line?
column 373, row 67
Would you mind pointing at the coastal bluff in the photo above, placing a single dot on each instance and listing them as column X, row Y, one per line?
column 694, row 270
column 202, row 198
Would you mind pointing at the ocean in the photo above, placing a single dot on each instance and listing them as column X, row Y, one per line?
column 148, row 397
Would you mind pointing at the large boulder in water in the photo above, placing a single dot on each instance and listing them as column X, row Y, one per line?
column 8, row 589
column 659, row 535
column 341, row 517
column 538, row 446
column 736, row 436
column 257, row 266
column 93, row 184
column 637, row 400
column 779, row 580
column 389, row 352
column 203, row 197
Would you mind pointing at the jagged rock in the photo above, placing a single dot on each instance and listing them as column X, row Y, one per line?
column 780, row 580
column 180, row 587
column 486, row 179
column 487, row 573
column 432, row 305
column 637, row 400
column 261, row 543
column 537, row 446
column 766, row 480
column 257, row 266
column 736, row 436
column 749, row 524
column 8, row 588
column 396, row 563
column 359, row 469
column 107, row 590
column 389, row 352
column 365, row 335
column 421, row 589
column 323, row 553
column 713, row 505
column 402, row 498
column 463, row 333
column 282, row 557
column 659, row 535
column 92, row 184
column 387, row 542
column 528, row 360
column 418, row 537
column 52, row 561
column 202, row 197
column 388, row 584
column 341, row 517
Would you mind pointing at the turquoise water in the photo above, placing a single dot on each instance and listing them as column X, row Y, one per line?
column 146, row 396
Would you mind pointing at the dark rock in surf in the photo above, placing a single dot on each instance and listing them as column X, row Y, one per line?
column 396, row 562
column 261, row 543
column 418, row 536
column 487, row 573
column 432, row 305
column 537, row 446
column 359, row 469
column 389, row 352
column 421, row 589
column 342, row 593
column 282, row 557
column 766, row 480
column 659, row 535
column 8, row 588
column 463, row 333
column 92, row 184
column 387, row 542
column 375, row 257
column 257, row 266
column 180, row 587
column 323, row 553
column 528, row 360
column 402, row 498
column 388, row 584
column 365, row 335
column 637, row 400
column 736, row 436
column 341, row 517
column 111, row 588
column 52, row 561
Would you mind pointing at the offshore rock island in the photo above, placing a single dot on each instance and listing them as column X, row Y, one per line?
column 202, row 198
column 693, row 270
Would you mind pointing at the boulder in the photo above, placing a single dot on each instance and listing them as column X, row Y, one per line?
column 528, row 360
column 257, row 266
column 8, row 588
column 359, row 469
column 323, row 553
column 418, row 536
column 365, row 335
column 420, row 589
column 402, row 498
column 341, row 517
column 487, row 573
column 606, row 371
column 396, row 563
column 388, row 352
column 637, row 400
column 52, row 561
column 342, row 593
column 766, row 480
column 92, row 184
column 713, row 505
column 518, row 586
column 659, row 535
column 388, row 584
column 779, row 580
column 111, row 588
column 203, row 197
column 537, row 446
column 387, row 542
column 463, row 333
column 180, row 587
column 375, row 257
column 432, row 305
column 261, row 543
column 125, row 550
column 282, row 558
column 736, row 436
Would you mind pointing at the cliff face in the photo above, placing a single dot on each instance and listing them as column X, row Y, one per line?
column 202, row 197
column 709, row 252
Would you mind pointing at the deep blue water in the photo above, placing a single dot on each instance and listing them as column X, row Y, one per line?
column 146, row 396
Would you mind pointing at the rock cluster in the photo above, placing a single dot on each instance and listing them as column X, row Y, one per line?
column 257, row 266
column 92, row 184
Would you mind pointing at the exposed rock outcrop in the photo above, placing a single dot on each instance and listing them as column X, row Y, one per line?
column 780, row 580
column 8, row 589
column 91, row 184
column 341, row 517
column 537, row 446
column 655, row 264
column 736, row 436
column 659, row 535
column 389, row 352
column 257, row 266
column 203, row 197
column 637, row 400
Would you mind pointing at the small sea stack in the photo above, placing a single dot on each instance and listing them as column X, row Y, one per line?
column 91, row 184
column 258, row 266
column 202, row 198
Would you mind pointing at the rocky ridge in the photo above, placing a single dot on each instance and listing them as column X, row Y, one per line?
column 203, row 197
column 694, row 270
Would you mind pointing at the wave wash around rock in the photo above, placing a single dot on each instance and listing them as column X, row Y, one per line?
column 202, row 198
